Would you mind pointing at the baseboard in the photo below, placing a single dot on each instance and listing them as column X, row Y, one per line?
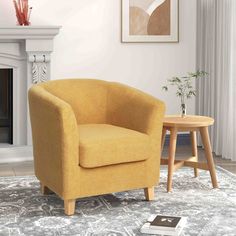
column 182, row 139
column 16, row 154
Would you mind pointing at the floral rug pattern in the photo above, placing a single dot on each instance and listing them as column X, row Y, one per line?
column 25, row 212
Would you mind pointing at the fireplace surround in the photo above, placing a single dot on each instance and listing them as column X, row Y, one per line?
column 26, row 52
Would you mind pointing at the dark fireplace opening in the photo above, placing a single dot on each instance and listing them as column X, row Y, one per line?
column 6, row 106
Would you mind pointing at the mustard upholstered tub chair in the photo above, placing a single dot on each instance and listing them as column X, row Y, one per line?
column 93, row 137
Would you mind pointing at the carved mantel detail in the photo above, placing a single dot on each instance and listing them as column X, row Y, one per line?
column 39, row 72
column 39, row 68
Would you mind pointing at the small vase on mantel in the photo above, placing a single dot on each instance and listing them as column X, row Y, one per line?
column 23, row 12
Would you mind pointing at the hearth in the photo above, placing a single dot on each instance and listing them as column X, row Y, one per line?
column 6, row 106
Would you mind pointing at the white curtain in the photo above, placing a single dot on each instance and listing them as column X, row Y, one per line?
column 216, row 54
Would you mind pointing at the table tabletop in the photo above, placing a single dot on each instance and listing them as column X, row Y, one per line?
column 188, row 121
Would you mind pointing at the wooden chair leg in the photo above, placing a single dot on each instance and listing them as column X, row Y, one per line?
column 45, row 190
column 194, row 149
column 149, row 193
column 171, row 160
column 163, row 138
column 208, row 154
column 69, row 206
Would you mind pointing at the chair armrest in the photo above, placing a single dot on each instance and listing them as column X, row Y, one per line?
column 133, row 109
column 55, row 138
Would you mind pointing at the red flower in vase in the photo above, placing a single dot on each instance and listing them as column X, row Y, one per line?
column 23, row 11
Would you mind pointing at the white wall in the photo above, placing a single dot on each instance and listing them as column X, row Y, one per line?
column 89, row 45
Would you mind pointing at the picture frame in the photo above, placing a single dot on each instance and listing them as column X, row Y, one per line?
column 150, row 21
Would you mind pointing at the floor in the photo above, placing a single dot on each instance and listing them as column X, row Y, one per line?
column 17, row 169
column 27, row 168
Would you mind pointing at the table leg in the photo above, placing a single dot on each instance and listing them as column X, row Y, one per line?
column 163, row 138
column 194, row 149
column 171, row 159
column 208, row 153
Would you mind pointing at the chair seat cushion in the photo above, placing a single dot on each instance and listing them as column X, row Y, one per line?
column 103, row 144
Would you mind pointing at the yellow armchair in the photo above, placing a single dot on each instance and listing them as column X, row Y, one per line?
column 93, row 137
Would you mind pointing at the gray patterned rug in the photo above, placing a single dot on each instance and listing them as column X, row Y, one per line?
column 24, row 211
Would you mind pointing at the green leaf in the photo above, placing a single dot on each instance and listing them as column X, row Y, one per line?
column 165, row 88
column 179, row 94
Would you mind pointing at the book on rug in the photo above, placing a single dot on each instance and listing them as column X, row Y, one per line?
column 164, row 225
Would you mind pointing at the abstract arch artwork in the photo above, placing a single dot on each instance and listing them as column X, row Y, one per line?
column 150, row 20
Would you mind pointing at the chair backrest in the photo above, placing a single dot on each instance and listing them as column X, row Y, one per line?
column 87, row 97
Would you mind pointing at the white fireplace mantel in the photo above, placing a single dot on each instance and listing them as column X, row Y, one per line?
column 38, row 39
column 27, row 50
column 38, row 44
column 29, row 32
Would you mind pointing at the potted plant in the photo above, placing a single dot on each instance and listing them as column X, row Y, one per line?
column 184, row 86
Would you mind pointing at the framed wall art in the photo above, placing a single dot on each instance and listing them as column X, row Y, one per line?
column 150, row 20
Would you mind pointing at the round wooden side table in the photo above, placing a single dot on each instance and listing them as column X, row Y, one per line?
column 192, row 124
